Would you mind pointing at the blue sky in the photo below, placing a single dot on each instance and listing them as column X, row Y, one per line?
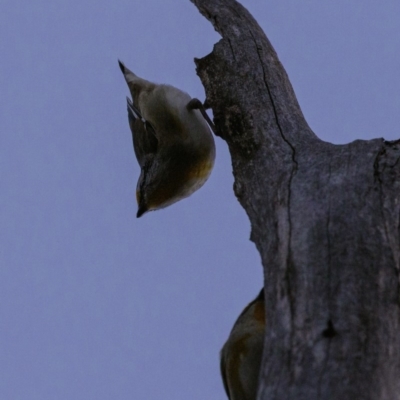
column 94, row 303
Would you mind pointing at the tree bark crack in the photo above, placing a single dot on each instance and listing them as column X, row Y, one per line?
column 378, row 173
column 328, row 333
column 272, row 102
column 380, row 166
column 324, row 368
column 292, row 173
column 230, row 45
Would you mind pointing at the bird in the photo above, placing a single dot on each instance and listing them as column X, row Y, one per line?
column 173, row 143
column 241, row 355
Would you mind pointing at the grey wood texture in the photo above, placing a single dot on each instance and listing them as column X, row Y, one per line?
column 324, row 217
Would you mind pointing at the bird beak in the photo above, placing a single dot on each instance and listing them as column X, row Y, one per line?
column 141, row 211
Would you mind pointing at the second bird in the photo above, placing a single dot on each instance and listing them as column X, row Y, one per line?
column 242, row 353
column 172, row 141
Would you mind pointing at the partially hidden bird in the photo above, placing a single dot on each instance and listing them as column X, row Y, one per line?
column 241, row 355
column 172, row 141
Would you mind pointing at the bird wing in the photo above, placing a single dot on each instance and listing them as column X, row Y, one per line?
column 144, row 138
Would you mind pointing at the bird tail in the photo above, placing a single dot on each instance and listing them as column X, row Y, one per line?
column 125, row 70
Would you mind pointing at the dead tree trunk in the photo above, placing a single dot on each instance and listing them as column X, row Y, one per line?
column 324, row 217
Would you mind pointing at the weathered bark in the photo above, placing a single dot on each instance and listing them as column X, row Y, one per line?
column 324, row 217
